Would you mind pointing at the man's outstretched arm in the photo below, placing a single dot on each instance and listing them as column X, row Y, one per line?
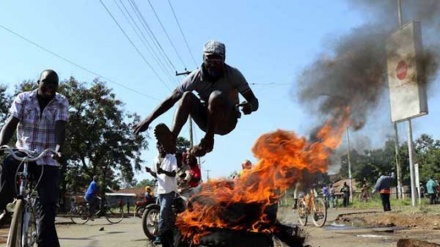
column 161, row 109
column 251, row 100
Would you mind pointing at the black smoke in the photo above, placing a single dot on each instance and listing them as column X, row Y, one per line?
column 352, row 72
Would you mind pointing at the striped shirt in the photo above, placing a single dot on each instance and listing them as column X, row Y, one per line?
column 36, row 129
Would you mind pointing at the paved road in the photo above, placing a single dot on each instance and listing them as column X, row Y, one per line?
column 128, row 233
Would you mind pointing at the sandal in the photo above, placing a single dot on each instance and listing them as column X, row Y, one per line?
column 165, row 137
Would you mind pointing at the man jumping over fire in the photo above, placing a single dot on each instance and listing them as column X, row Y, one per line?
column 215, row 111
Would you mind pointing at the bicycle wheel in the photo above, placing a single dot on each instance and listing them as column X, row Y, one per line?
column 319, row 212
column 14, row 236
column 150, row 221
column 302, row 212
column 29, row 236
column 79, row 214
column 114, row 214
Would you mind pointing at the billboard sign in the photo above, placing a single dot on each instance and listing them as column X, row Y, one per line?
column 407, row 91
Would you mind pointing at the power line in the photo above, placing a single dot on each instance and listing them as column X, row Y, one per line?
column 75, row 64
column 181, row 31
column 166, row 33
column 142, row 37
column 131, row 42
column 269, row 84
column 151, row 32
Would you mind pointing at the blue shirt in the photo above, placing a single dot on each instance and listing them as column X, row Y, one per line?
column 431, row 186
column 91, row 191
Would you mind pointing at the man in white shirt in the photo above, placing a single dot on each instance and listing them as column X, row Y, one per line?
column 164, row 170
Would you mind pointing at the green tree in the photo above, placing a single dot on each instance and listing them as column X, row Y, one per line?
column 5, row 103
column 370, row 163
column 428, row 157
column 100, row 139
column 145, row 182
column 182, row 143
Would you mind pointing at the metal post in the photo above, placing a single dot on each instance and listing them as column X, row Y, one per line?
column 349, row 165
column 399, row 11
column 411, row 163
column 207, row 174
column 398, row 168
column 191, row 139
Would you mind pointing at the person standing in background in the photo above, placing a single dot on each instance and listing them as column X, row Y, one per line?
column 346, row 194
column 164, row 170
column 383, row 186
column 431, row 189
column 326, row 195
column 246, row 166
column 332, row 195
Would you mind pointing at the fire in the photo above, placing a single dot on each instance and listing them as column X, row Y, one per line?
column 248, row 202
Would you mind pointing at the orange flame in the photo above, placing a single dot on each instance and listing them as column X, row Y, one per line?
column 245, row 203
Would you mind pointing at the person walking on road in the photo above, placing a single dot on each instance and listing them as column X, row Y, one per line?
column 383, row 186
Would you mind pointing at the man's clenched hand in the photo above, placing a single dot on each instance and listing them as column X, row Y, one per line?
column 246, row 108
column 141, row 127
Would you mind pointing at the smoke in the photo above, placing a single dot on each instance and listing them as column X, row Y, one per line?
column 352, row 74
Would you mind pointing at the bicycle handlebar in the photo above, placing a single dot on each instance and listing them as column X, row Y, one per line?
column 30, row 155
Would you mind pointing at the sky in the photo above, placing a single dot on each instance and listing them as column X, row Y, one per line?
column 281, row 47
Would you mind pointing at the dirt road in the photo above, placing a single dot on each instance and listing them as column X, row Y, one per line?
column 128, row 233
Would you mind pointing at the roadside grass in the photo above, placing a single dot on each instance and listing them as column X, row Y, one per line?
column 398, row 205
column 375, row 203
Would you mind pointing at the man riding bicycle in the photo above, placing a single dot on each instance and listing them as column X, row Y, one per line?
column 39, row 117
column 91, row 197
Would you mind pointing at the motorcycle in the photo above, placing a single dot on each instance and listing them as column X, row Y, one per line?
column 141, row 206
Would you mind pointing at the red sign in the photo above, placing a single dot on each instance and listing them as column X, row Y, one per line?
column 401, row 70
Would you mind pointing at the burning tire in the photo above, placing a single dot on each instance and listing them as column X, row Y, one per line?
column 226, row 238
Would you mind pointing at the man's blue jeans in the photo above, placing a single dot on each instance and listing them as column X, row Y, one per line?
column 167, row 218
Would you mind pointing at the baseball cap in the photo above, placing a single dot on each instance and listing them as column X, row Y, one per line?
column 214, row 47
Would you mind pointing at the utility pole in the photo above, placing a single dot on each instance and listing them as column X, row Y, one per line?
column 191, row 140
column 349, row 165
column 207, row 174
column 398, row 167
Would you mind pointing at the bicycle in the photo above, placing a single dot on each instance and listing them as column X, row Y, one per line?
column 80, row 212
column 309, row 204
column 23, row 228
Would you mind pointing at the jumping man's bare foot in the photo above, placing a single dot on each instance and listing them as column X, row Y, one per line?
column 205, row 146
